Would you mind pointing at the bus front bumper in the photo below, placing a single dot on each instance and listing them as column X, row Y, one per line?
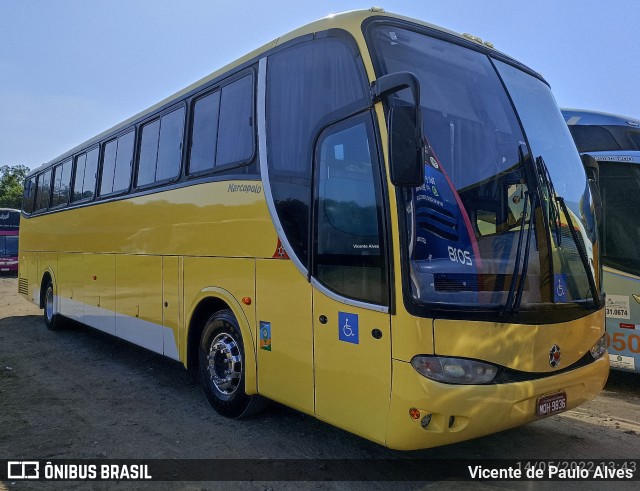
column 452, row 413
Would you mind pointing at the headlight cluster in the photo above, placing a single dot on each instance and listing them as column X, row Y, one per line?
column 600, row 348
column 454, row 370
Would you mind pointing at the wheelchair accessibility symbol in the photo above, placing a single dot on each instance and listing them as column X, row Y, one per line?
column 560, row 291
column 348, row 327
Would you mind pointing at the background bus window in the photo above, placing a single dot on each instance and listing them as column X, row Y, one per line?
column 350, row 250
column 116, row 164
column 593, row 138
column 161, row 148
column 620, row 191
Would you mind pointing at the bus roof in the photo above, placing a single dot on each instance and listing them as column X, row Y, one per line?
column 351, row 20
column 597, row 118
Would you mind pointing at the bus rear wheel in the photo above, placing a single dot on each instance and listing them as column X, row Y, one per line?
column 52, row 320
column 222, row 368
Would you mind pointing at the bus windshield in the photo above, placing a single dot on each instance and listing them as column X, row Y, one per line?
column 499, row 222
column 9, row 246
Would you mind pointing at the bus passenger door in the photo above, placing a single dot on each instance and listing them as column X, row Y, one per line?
column 352, row 334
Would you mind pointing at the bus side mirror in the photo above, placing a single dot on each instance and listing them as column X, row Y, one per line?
column 593, row 177
column 406, row 147
column 591, row 167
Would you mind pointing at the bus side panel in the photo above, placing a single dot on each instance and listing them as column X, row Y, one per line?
column 285, row 352
column 172, row 306
column 623, row 320
column 139, row 300
column 71, row 285
column 99, row 291
column 34, row 278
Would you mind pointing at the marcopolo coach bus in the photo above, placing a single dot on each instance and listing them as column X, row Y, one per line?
column 372, row 220
column 614, row 143
column 9, row 228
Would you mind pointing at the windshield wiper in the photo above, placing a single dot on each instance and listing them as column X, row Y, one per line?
column 544, row 182
column 582, row 252
column 514, row 297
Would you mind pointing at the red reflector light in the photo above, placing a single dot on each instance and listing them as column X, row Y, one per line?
column 414, row 413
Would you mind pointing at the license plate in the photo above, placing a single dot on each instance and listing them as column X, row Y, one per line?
column 551, row 404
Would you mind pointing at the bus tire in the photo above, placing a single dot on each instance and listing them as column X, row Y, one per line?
column 52, row 320
column 222, row 368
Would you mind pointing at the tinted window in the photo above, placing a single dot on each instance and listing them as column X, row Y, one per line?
column 12, row 245
column 43, row 190
column 116, row 164
column 235, row 134
column 305, row 83
column 350, row 245
column 61, row 183
column 619, row 230
column 8, row 245
column 161, row 148
column 108, row 167
column 205, row 133
column 90, row 174
column 148, row 153
column 593, row 138
column 124, row 159
column 29, row 194
column 634, row 137
column 78, row 179
column 84, row 182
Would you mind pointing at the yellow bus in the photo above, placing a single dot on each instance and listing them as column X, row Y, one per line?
column 366, row 219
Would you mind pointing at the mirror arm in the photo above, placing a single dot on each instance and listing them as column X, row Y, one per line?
column 394, row 82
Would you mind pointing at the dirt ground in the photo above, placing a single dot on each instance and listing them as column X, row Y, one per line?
column 78, row 393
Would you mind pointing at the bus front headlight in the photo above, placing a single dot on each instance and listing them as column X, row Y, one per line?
column 454, row 370
column 600, row 348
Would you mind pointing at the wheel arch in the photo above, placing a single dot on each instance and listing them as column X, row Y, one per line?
column 209, row 301
column 48, row 276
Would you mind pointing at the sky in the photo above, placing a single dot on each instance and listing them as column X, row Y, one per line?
column 70, row 69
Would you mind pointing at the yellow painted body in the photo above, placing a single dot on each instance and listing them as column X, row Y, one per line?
column 140, row 268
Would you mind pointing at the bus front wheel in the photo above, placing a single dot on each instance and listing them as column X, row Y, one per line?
column 52, row 320
column 222, row 367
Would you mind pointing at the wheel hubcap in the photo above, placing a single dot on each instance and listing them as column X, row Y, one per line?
column 225, row 363
column 48, row 304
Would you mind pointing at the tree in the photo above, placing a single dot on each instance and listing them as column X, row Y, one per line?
column 11, row 184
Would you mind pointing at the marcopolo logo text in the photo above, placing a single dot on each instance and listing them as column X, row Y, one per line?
column 245, row 188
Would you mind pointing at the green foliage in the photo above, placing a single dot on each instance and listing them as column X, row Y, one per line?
column 11, row 184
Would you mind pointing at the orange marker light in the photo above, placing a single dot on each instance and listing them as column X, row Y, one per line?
column 414, row 413
column 246, row 300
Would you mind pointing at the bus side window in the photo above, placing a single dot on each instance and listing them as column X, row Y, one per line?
column 204, row 135
column 116, row 164
column 235, row 133
column 29, row 194
column 43, row 191
column 350, row 257
column 161, row 148
column 84, row 182
column 61, row 182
